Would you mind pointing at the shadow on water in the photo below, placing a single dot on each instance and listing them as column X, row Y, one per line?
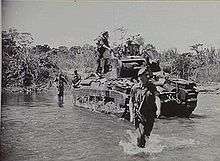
column 60, row 102
column 28, row 98
column 198, row 116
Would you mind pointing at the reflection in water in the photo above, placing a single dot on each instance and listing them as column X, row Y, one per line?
column 60, row 101
column 198, row 116
column 28, row 98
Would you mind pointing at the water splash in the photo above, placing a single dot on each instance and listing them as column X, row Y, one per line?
column 130, row 147
column 156, row 144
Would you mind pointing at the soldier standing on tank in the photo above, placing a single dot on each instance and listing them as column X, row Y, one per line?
column 100, row 54
column 76, row 79
column 145, row 105
column 104, row 53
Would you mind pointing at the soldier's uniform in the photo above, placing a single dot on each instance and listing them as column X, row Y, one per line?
column 60, row 85
column 144, row 107
column 104, row 54
column 76, row 79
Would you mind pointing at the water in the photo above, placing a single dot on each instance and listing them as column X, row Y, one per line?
column 35, row 128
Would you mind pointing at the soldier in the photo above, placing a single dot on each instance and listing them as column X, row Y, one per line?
column 60, row 86
column 104, row 53
column 100, row 54
column 76, row 79
column 144, row 106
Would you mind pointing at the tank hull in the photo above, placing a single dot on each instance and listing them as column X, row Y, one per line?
column 111, row 93
column 172, row 108
column 99, row 99
column 179, row 98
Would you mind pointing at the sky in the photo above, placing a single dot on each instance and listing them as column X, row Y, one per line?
column 163, row 24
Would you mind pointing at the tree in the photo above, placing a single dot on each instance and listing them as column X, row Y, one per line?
column 14, row 49
column 22, row 64
column 182, row 65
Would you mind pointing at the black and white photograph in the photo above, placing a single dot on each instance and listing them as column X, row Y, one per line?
column 100, row 80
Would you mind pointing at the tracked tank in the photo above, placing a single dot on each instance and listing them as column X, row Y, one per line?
column 110, row 93
column 178, row 96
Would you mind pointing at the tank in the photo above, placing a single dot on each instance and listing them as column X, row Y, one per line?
column 110, row 93
column 178, row 96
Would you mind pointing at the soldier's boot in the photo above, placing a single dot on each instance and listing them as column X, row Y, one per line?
column 141, row 141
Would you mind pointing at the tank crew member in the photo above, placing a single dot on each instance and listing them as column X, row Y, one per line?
column 76, row 79
column 104, row 53
column 145, row 105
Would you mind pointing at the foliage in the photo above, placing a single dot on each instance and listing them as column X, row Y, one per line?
column 14, row 53
column 22, row 64
column 25, row 66
column 200, row 64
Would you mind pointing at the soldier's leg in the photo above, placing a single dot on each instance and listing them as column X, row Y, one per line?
column 61, row 92
column 141, row 141
column 149, row 125
column 106, row 66
column 102, row 64
column 98, row 67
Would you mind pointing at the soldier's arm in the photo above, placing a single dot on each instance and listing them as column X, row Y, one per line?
column 103, row 45
column 106, row 47
column 157, row 101
column 158, row 104
column 131, row 103
column 131, row 107
column 65, row 80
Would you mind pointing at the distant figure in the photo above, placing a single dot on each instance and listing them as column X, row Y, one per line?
column 104, row 50
column 129, row 47
column 143, row 106
column 27, row 80
column 76, row 79
column 60, row 86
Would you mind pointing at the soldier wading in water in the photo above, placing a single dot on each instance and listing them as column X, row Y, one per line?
column 144, row 106
column 60, row 86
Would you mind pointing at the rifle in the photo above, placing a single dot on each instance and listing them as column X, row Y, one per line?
column 138, row 118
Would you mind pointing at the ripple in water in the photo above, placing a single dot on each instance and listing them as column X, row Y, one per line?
column 156, row 144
